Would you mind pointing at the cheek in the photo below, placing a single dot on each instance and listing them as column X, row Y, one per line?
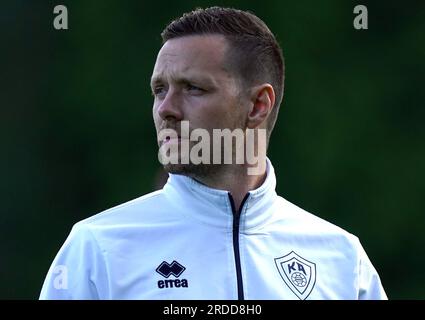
column 156, row 118
column 207, row 118
column 228, row 115
column 214, row 112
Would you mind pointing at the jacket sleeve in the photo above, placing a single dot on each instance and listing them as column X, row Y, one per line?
column 78, row 270
column 370, row 287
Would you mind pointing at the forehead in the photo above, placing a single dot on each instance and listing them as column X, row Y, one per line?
column 198, row 55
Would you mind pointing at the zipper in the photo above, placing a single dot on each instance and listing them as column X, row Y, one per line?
column 236, row 221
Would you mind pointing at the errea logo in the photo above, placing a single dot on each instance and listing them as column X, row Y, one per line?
column 166, row 269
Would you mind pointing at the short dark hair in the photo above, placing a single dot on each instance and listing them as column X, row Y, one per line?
column 254, row 54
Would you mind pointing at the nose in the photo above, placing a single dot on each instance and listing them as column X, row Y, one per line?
column 169, row 108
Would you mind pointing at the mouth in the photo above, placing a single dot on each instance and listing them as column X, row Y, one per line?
column 171, row 140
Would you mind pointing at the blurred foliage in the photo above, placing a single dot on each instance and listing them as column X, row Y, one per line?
column 77, row 135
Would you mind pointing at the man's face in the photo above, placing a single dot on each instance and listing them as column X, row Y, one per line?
column 190, row 83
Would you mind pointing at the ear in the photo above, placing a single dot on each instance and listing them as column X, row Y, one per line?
column 262, row 102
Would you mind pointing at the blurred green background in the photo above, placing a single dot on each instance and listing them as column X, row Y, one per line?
column 77, row 136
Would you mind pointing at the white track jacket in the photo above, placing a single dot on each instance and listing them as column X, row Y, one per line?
column 187, row 241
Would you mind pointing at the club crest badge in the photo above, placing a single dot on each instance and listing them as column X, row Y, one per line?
column 298, row 273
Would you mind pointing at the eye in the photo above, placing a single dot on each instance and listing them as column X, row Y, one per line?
column 194, row 89
column 158, row 91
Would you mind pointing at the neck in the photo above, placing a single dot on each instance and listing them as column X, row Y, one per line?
column 235, row 179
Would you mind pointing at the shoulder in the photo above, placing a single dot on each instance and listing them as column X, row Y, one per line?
column 140, row 209
column 297, row 218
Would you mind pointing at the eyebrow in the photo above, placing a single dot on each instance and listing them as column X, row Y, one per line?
column 182, row 80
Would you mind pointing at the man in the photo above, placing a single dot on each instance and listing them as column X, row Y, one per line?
column 216, row 230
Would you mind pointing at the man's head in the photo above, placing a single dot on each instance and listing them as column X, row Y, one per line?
column 218, row 68
column 253, row 54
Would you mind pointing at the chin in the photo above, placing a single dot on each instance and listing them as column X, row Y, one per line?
column 178, row 168
column 191, row 170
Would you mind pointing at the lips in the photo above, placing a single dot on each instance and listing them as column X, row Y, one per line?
column 172, row 140
column 171, row 132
